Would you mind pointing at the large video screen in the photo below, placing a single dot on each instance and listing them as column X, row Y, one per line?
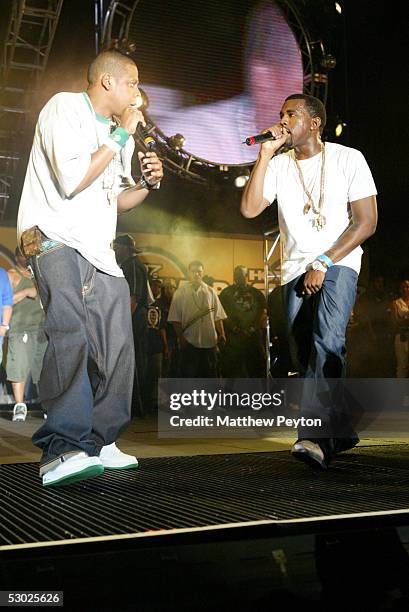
column 215, row 71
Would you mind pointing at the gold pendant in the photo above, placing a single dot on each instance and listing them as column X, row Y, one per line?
column 319, row 221
column 307, row 207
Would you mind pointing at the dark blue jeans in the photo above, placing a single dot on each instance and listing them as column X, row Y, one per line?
column 316, row 327
column 87, row 376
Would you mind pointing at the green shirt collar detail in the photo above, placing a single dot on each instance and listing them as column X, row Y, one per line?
column 98, row 117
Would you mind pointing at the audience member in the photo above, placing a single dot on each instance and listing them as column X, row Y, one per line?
column 6, row 304
column 244, row 354
column 197, row 315
column 171, row 349
column 400, row 317
column 155, row 346
column 372, row 314
column 27, row 341
column 136, row 275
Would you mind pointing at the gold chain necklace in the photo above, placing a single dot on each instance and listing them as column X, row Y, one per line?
column 319, row 220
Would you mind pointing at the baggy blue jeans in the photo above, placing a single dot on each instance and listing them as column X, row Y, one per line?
column 316, row 328
column 88, row 369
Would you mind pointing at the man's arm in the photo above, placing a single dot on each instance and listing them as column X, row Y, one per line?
column 134, row 303
column 5, row 319
column 14, row 278
column 179, row 333
column 99, row 161
column 7, row 300
column 164, row 336
column 364, row 221
column 253, row 201
column 219, row 315
column 152, row 172
column 221, row 338
column 19, row 296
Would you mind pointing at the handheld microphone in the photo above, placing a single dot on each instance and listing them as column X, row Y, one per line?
column 252, row 140
column 148, row 141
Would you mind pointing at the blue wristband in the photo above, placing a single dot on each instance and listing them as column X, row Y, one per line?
column 326, row 260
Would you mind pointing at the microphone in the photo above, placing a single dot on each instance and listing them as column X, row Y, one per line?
column 252, row 140
column 149, row 142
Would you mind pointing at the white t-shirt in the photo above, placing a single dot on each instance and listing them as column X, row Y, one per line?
column 189, row 304
column 68, row 131
column 347, row 178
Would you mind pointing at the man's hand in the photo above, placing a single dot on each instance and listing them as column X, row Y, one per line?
column 269, row 147
column 221, row 340
column 151, row 167
column 130, row 119
column 313, row 281
column 183, row 343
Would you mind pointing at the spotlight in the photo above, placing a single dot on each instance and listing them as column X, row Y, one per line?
column 328, row 61
column 339, row 128
column 238, row 175
column 177, row 141
column 142, row 101
column 241, row 179
column 338, row 8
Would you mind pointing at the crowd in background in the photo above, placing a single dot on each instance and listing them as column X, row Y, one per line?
column 189, row 331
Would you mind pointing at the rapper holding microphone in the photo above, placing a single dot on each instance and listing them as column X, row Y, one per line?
column 326, row 201
column 78, row 179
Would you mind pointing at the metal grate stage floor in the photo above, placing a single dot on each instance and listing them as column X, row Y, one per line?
column 167, row 496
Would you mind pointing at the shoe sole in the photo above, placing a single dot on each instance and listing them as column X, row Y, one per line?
column 130, row 466
column 19, row 420
column 89, row 472
column 306, row 457
column 349, row 446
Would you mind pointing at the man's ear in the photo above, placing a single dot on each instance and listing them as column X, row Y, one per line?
column 106, row 81
column 315, row 123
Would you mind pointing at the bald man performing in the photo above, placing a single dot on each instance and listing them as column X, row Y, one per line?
column 78, row 179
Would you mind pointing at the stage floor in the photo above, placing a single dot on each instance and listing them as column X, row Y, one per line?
column 141, row 439
column 171, row 495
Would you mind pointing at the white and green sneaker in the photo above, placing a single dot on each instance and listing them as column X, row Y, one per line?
column 71, row 468
column 114, row 459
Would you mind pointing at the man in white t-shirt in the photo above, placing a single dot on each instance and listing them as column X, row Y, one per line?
column 78, row 179
column 326, row 208
column 197, row 316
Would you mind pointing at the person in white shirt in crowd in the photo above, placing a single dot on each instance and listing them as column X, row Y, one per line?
column 326, row 200
column 197, row 316
column 78, row 179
